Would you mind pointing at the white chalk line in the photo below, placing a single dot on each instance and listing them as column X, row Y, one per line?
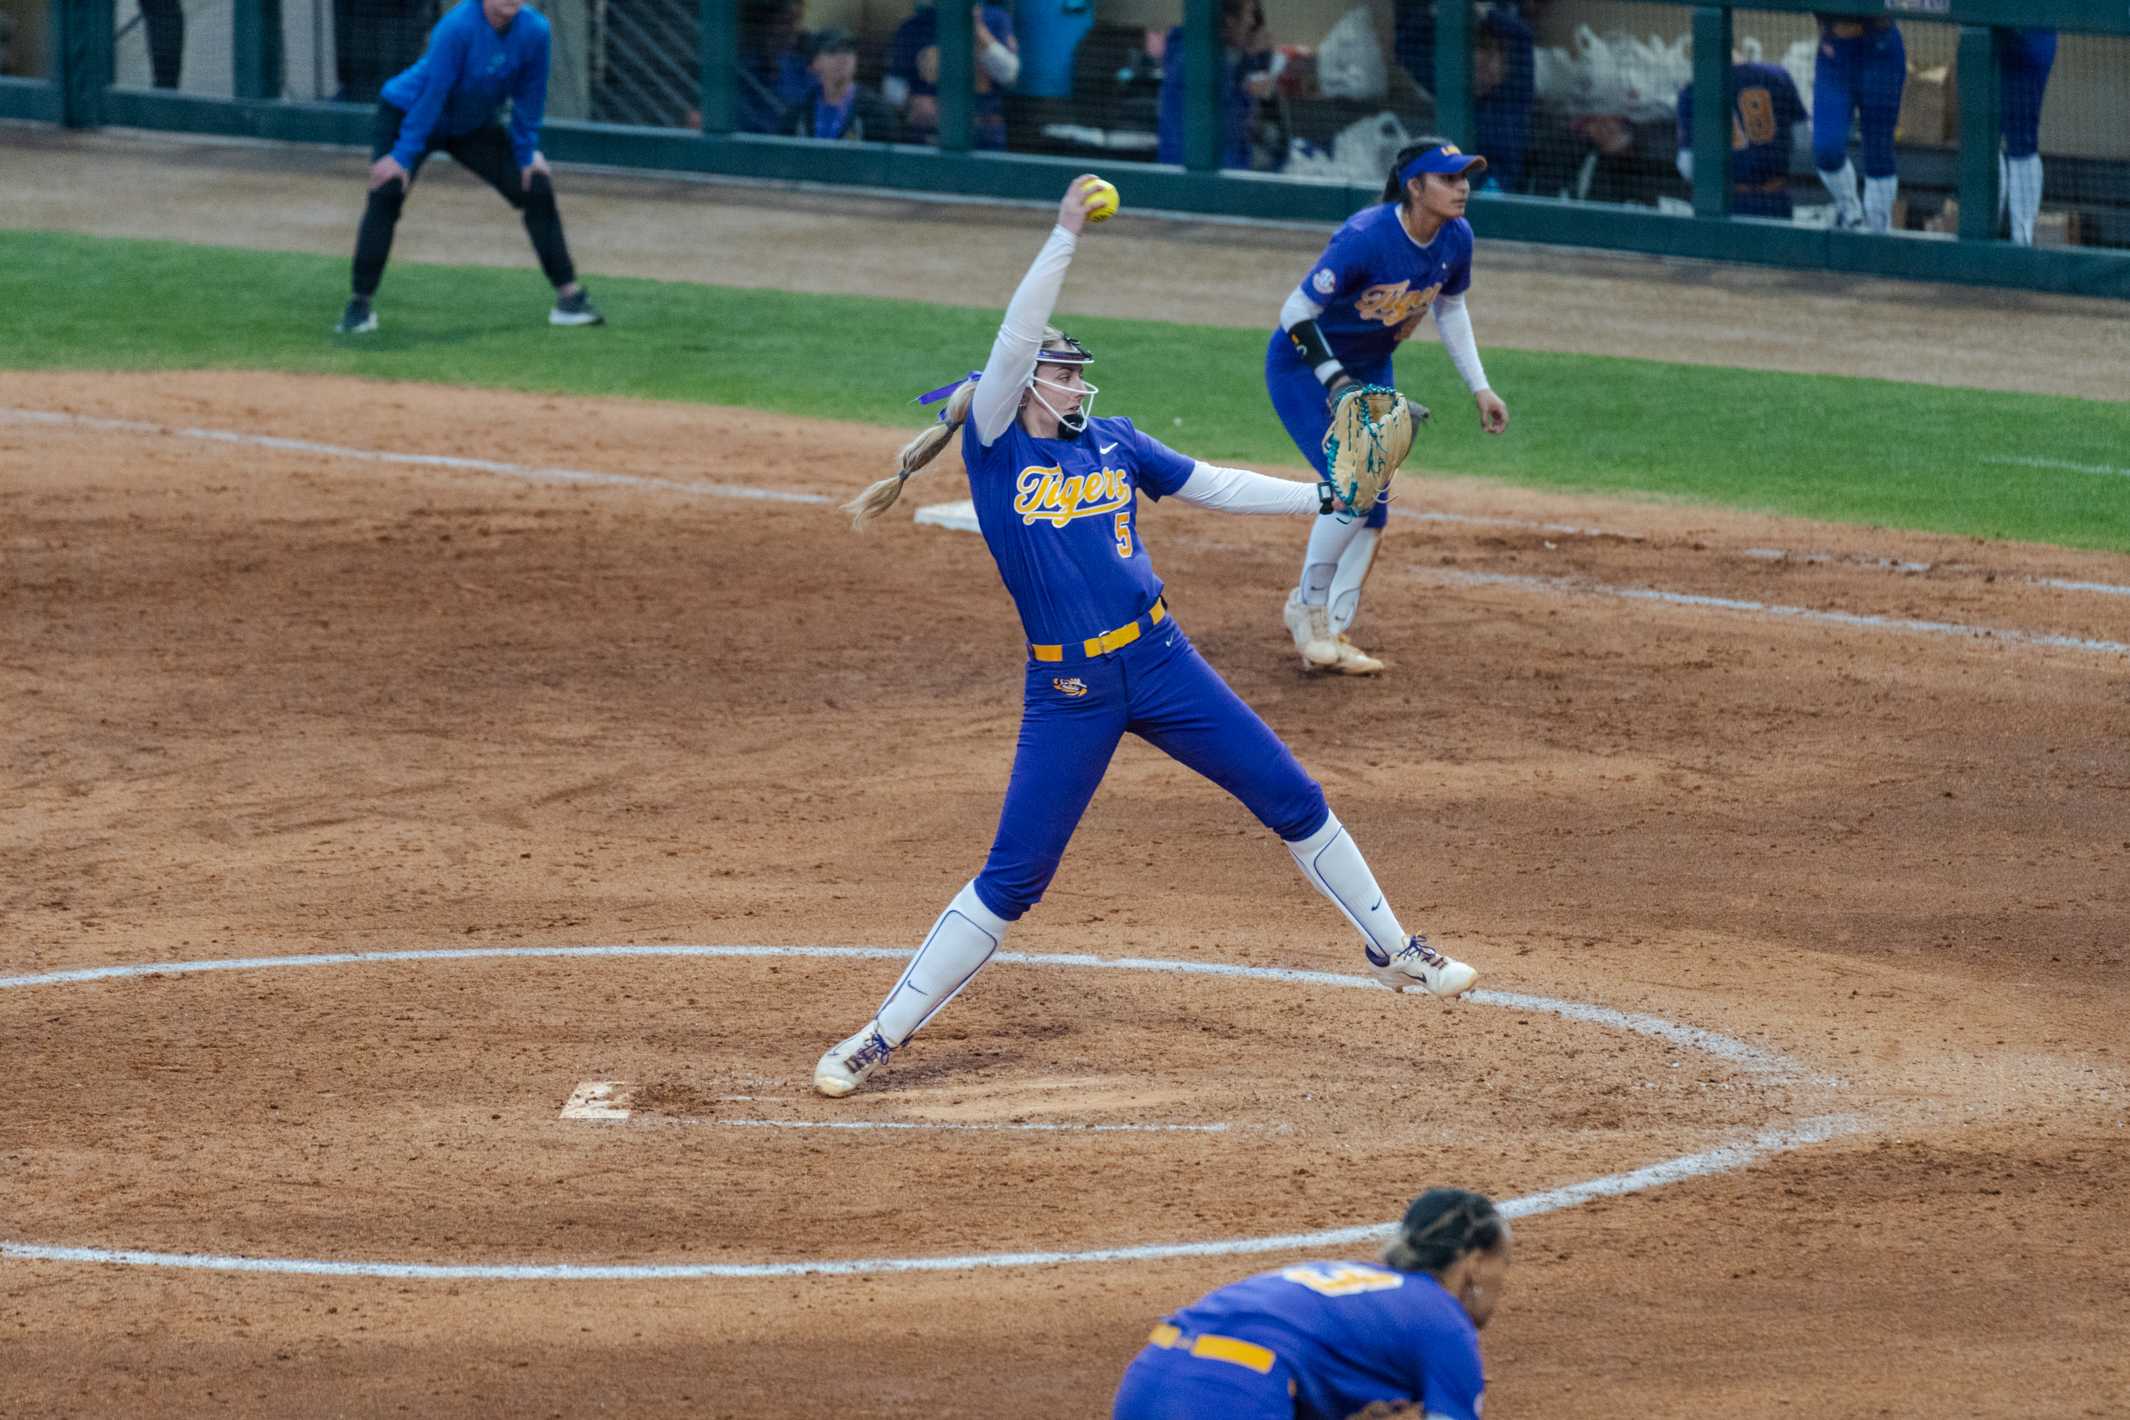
column 2061, row 465
column 1721, row 1159
column 342, row 451
column 1724, row 1158
column 957, row 515
column 961, row 517
column 1856, row 621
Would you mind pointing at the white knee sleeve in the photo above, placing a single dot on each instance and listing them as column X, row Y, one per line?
column 961, row 941
column 1330, row 859
column 1346, row 582
column 1328, row 541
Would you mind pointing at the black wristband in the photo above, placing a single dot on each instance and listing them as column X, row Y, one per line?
column 1326, row 499
column 1315, row 350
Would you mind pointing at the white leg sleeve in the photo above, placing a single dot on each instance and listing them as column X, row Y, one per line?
column 1328, row 541
column 1329, row 859
column 1878, row 202
column 961, row 941
column 1352, row 572
column 1841, row 185
column 2022, row 193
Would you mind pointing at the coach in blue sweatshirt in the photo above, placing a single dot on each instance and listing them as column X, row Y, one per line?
column 482, row 54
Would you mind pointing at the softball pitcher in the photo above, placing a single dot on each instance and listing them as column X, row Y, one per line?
column 1861, row 68
column 1376, row 281
column 1335, row 1340
column 1056, row 493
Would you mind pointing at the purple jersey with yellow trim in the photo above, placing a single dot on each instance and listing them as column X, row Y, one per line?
column 1349, row 1334
column 1767, row 107
column 1376, row 283
column 1059, row 516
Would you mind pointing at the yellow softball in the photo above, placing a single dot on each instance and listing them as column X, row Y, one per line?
column 1101, row 199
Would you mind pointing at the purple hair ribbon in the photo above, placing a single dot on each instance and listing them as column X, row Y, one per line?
column 934, row 396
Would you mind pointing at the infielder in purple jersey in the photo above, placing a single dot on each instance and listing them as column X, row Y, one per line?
column 1327, row 1340
column 480, row 55
column 1381, row 274
column 1057, row 496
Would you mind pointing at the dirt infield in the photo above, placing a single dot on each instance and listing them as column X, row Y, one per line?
column 1855, row 811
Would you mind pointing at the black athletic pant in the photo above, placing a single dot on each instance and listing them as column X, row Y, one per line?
column 485, row 152
column 163, row 24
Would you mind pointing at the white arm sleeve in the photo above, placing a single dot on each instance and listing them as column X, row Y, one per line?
column 1020, row 336
column 1455, row 324
column 1238, row 490
column 1001, row 63
column 1686, row 164
column 1298, row 308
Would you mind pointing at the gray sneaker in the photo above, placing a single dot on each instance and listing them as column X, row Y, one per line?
column 357, row 319
column 575, row 310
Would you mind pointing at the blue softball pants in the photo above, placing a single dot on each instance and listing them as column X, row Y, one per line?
column 1074, row 712
column 1175, row 1385
column 2024, row 64
column 1862, row 76
column 1299, row 401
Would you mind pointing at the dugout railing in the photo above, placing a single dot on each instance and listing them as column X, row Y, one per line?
column 78, row 89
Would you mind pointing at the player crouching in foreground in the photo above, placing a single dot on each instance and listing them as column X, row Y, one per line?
column 1056, row 493
column 1330, row 1340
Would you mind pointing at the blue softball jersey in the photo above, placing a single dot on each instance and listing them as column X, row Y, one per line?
column 1336, row 1336
column 462, row 79
column 1059, row 516
column 1376, row 283
column 1765, row 110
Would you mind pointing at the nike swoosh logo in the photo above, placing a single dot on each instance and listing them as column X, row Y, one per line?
column 1106, row 448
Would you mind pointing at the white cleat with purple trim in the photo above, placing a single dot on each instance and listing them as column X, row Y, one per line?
column 1419, row 967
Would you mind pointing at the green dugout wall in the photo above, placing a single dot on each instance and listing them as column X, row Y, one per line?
column 78, row 92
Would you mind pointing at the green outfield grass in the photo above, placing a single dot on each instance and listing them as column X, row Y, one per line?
column 1849, row 450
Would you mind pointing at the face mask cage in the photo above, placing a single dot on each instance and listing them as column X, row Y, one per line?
column 1065, row 351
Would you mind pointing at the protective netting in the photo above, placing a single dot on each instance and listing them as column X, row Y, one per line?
column 1835, row 121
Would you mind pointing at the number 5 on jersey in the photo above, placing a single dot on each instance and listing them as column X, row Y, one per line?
column 1344, row 1280
column 1124, row 534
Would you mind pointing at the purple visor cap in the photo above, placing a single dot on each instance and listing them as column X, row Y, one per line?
column 1444, row 159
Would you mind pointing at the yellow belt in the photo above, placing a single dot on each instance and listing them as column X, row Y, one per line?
column 1109, row 640
column 1247, row 1354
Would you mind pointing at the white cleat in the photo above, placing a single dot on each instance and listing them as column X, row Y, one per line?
column 1353, row 660
column 1420, row 967
column 848, row 1062
column 1310, row 626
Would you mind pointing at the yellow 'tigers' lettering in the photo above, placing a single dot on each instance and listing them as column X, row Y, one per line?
column 1047, row 495
column 1398, row 305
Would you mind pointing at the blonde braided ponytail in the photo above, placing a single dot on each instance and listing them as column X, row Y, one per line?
column 881, row 496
